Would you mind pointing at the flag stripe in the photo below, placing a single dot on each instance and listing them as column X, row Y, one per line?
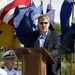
column 10, row 22
column 12, row 5
column 9, row 9
column 6, row 18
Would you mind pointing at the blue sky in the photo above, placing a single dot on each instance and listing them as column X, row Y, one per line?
column 56, row 4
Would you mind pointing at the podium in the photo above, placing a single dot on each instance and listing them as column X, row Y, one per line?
column 34, row 60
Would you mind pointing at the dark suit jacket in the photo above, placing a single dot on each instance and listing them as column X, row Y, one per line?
column 51, row 41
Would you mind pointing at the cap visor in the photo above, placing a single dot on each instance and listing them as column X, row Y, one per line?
column 8, row 57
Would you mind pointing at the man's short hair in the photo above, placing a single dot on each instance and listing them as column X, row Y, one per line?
column 43, row 16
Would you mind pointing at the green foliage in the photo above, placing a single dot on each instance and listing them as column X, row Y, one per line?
column 66, row 58
column 57, row 28
column 2, row 49
column 66, row 69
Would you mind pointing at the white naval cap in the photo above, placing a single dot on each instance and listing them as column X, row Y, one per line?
column 9, row 54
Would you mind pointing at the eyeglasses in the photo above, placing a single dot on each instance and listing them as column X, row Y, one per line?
column 43, row 22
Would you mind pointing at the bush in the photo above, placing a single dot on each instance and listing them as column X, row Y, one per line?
column 57, row 28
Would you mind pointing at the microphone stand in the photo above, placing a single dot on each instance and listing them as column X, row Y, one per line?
column 60, row 47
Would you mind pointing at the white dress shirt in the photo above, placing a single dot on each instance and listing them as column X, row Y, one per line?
column 2, row 72
column 13, row 71
column 42, row 39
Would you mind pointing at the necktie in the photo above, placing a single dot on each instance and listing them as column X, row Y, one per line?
column 41, row 37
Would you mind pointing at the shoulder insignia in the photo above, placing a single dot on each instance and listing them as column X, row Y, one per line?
column 2, row 67
column 15, row 68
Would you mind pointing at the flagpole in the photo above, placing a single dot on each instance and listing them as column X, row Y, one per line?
column 72, row 19
column 42, row 6
column 71, row 55
column 50, row 1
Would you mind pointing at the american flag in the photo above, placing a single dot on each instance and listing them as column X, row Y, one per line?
column 7, row 12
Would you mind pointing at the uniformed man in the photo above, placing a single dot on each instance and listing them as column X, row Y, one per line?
column 9, row 59
column 2, row 72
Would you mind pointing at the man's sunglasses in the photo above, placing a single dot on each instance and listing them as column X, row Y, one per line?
column 43, row 22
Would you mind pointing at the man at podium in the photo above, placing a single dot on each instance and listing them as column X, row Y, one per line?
column 43, row 37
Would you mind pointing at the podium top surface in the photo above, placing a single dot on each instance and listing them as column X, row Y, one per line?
column 43, row 51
